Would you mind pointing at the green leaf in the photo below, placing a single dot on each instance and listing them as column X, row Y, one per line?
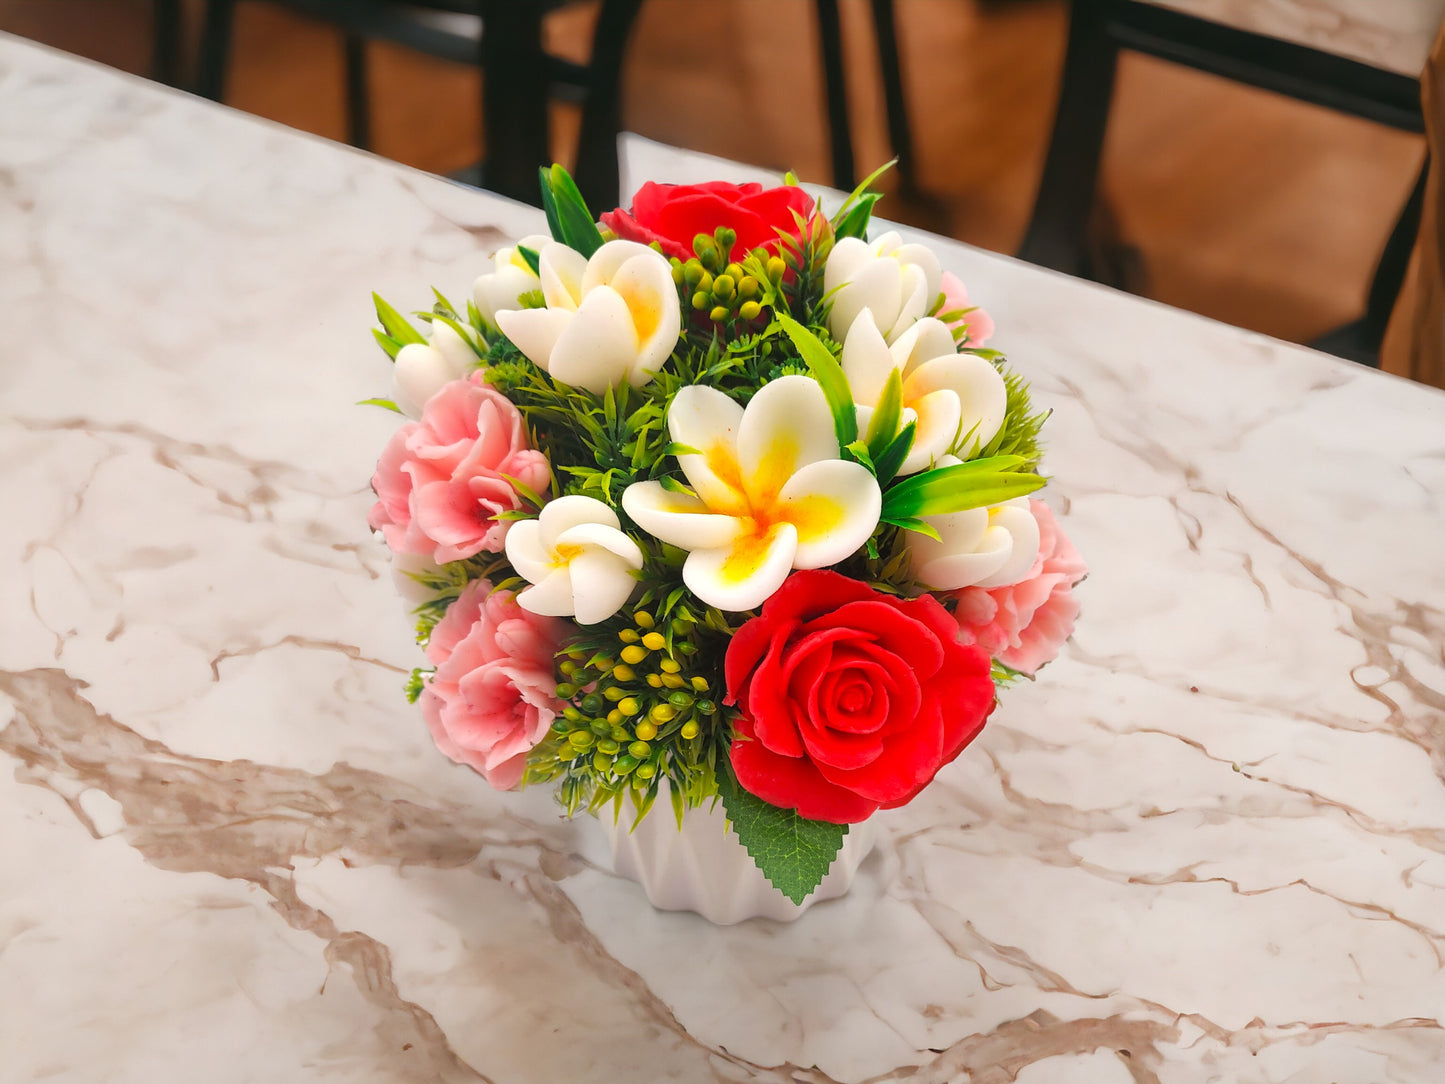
column 549, row 205
column 793, row 853
column 579, row 230
column 909, row 523
column 396, row 325
column 861, row 193
column 886, row 463
column 854, row 221
column 829, row 375
column 530, row 495
column 534, row 261
column 385, row 403
column 390, row 345
column 858, row 453
column 958, row 488
column 886, row 415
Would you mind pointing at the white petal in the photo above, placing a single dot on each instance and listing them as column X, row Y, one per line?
column 501, row 289
column 460, row 357
column 535, row 331
column 922, row 257
column 927, row 339
column 877, row 286
column 419, row 373
column 567, row 512
column 532, row 559
column 981, row 393
column 866, row 359
column 958, row 532
column 743, row 576
column 914, row 302
column 609, row 259
column 938, row 415
column 550, row 598
column 1015, row 518
column 786, row 426
column 834, row 506
column 645, row 285
column 676, row 518
column 968, row 550
column 561, row 270
column 706, row 419
column 596, row 536
column 849, row 256
column 601, row 585
column 597, row 348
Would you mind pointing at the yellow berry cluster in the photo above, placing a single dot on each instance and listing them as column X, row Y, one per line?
column 631, row 708
column 721, row 288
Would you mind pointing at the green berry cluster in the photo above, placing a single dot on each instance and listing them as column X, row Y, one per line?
column 725, row 290
column 634, row 714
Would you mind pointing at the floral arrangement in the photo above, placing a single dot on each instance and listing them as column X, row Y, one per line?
column 720, row 499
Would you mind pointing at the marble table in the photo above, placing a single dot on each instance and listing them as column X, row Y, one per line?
column 1205, row 846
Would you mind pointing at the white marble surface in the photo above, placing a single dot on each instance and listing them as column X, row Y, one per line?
column 1207, row 846
column 1391, row 34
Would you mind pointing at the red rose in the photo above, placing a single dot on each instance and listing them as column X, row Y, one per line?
column 851, row 700
column 673, row 214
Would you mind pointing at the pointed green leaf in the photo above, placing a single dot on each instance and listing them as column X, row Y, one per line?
column 385, row 404
column 909, row 523
column 829, row 375
column 534, row 260
column 396, row 325
column 549, row 205
column 579, row 230
column 886, row 464
column 792, row 852
column 854, row 221
column 958, row 488
column 887, row 414
column 390, row 345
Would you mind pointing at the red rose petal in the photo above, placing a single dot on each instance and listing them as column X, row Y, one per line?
column 910, row 760
column 794, row 783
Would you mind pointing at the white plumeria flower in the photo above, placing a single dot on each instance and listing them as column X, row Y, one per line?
column 511, row 277
column 609, row 320
column 577, row 559
column 950, row 396
column 981, row 547
column 898, row 282
column 772, row 494
column 422, row 369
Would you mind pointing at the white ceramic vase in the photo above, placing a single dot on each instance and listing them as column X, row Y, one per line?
column 703, row 868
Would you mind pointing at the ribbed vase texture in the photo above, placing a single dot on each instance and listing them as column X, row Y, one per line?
column 703, row 868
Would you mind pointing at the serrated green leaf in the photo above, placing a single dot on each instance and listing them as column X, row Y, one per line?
column 384, row 403
column 883, row 426
column 390, row 345
column 958, row 488
column 396, row 325
column 829, row 375
column 792, row 852
column 533, row 258
column 886, row 465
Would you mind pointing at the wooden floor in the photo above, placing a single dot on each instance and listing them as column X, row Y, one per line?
column 1256, row 210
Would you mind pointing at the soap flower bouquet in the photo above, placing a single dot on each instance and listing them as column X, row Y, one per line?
column 717, row 498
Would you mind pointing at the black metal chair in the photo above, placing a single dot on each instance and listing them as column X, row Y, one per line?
column 1058, row 235
column 504, row 39
column 830, row 38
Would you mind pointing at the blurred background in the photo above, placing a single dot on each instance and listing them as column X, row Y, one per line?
column 1214, row 196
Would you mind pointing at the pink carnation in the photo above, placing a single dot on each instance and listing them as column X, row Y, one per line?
column 955, row 297
column 493, row 695
column 439, row 482
column 1024, row 625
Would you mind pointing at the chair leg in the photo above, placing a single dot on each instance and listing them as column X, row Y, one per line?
column 597, row 169
column 514, row 98
column 885, row 28
column 1057, row 235
column 215, row 54
column 166, row 42
column 830, row 39
column 358, row 100
column 1360, row 340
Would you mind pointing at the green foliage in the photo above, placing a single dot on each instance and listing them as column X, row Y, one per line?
column 385, row 404
column 1019, row 434
column 851, row 219
column 792, row 852
column 396, row 329
column 955, row 489
column 567, row 215
column 829, row 375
